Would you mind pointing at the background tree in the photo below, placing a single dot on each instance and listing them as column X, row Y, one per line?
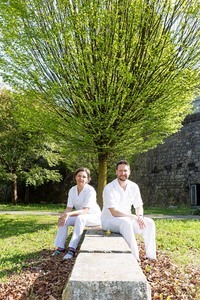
column 120, row 75
column 27, row 155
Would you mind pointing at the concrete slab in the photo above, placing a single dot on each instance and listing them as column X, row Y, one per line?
column 106, row 276
column 105, row 269
column 99, row 241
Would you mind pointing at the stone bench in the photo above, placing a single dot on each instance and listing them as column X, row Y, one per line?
column 106, row 270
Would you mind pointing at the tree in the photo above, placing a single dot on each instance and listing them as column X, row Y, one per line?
column 121, row 75
column 30, row 156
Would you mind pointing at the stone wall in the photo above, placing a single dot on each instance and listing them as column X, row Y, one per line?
column 166, row 173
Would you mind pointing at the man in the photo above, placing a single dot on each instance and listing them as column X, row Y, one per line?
column 118, row 198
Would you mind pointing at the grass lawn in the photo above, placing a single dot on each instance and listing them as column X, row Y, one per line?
column 33, row 207
column 171, row 210
column 24, row 236
column 180, row 240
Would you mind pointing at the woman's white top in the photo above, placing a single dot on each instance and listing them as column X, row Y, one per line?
column 86, row 198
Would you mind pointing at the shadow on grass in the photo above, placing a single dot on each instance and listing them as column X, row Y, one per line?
column 12, row 225
column 20, row 262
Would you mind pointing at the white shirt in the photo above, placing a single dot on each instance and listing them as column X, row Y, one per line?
column 114, row 196
column 86, row 198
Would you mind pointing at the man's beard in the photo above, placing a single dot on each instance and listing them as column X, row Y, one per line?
column 122, row 179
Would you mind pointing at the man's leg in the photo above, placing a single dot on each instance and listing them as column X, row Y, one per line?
column 124, row 226
column 149, row 236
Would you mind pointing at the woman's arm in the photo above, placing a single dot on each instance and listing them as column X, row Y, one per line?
column 82, row 211
column 68, row 212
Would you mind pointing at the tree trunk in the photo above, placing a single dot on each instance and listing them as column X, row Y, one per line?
column 26, row 197
column 14, row 190
column 102, row 178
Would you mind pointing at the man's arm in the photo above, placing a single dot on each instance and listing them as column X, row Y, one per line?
column 139, row 211
column 117, row 213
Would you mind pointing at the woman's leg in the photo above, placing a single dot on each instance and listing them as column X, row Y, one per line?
column 62, row 233
column 80, row 223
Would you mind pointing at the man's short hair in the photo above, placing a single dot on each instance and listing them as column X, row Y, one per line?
column 122, row 162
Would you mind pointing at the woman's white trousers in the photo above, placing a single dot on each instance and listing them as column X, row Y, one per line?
column 79, row 223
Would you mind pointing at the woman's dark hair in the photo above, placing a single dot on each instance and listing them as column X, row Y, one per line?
column 86, row 170
column 122, row 162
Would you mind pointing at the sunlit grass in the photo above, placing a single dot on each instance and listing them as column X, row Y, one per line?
column 24, row 236
column 171, row 210
column 180, row 240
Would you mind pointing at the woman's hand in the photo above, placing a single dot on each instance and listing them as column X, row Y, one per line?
column 62, row 219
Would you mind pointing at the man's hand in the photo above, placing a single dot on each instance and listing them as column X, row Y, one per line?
column 141, row 222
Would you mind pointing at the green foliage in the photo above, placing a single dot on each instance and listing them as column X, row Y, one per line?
column 109, row 69
column 37, row 176
column 111, row 78
column 196, row 211
column 31, row 156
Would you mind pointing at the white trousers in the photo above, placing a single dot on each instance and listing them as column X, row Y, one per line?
column 128, row 228
column 79, row 223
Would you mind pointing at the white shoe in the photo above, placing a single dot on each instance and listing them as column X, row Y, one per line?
column 69, row 255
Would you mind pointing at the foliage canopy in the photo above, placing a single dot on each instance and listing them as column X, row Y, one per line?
column 27, row 155
column 119, row 76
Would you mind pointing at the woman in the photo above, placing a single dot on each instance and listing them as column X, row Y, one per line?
column 82, row 197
